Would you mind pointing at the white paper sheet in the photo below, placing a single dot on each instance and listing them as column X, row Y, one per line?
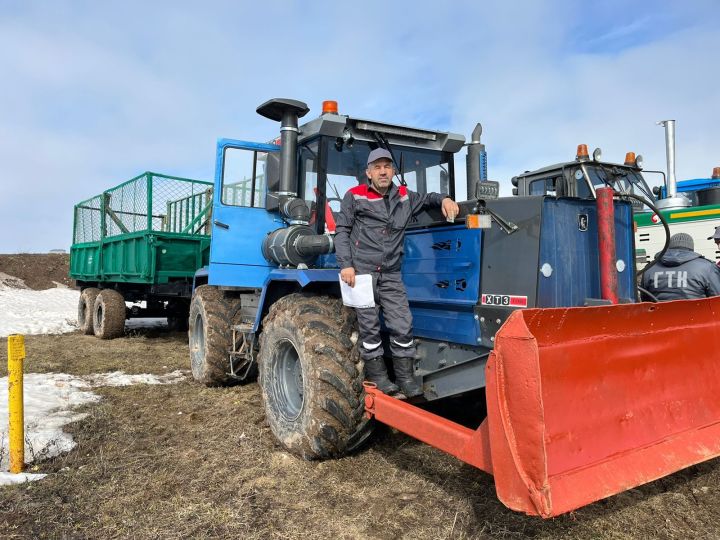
column 359, row 296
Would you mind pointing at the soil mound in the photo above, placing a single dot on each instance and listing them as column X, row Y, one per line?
column 38, row 271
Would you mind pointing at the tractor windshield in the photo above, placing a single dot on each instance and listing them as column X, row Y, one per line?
column 621, row 179
column 422, row 170
column 328, row 169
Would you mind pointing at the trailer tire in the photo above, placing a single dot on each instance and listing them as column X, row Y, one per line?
column 311, row 377
column 212, row 315
column 109, row 314
column 86, row 306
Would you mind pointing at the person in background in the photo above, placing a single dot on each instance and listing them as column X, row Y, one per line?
column 681, row 273
column 716, row 238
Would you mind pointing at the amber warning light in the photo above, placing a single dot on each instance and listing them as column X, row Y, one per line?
column 582, row 152
column 330, row 107
column 630, row 158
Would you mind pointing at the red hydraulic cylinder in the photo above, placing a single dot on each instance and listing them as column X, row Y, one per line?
column 606, row 244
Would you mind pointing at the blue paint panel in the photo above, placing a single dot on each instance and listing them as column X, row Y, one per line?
column 442, row 265
column 236, row 251
column 692, row 185
column 236, row 275
column 302, row 277
column 441, row 272
column 563, row 246
column 448, row 324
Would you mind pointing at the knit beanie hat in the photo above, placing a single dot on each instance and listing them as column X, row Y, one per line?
column 681, row 240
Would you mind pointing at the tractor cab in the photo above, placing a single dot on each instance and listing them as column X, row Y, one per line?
column 582, row 177
column 333, row 151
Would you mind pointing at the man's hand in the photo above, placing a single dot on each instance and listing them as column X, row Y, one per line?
column 348, row 276
column 450, row 209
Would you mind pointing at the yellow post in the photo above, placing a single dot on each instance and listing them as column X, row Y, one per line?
column 16, row 355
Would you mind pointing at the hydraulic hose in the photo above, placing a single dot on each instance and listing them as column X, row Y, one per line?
column 659, row 255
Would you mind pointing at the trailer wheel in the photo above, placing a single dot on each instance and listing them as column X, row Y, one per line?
column 210, row 334
column 311, row 377
column 109, row 314
column 86, row 304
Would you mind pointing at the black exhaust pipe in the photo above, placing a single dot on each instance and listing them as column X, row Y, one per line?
column 296, row 245
column 476, row 162
column 287, row 112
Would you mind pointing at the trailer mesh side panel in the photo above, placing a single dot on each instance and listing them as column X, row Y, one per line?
column 87, row 220
column 149, row 202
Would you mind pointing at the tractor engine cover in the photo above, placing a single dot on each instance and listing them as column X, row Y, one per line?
column 295, row 245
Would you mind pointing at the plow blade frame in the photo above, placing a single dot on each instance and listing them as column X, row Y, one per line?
column 587, row 402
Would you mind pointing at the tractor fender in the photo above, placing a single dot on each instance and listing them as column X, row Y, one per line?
column 284, row 281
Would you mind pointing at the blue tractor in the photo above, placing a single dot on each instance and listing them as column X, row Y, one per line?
column 269, row 305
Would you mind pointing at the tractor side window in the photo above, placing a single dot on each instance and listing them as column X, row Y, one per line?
column 309, row 175
column 543, row 186
column 243, row 177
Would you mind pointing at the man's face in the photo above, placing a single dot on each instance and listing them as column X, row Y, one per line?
column 380, row 172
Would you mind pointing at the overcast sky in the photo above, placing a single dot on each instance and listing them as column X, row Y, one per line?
column 93, row 94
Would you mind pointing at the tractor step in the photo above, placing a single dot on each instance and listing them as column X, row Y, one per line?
column 246, row 328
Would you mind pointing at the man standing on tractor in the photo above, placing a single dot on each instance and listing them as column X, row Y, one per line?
column 369, row 239
column 681, row 273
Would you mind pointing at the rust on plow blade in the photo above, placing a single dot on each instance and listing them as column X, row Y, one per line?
column 587, row 402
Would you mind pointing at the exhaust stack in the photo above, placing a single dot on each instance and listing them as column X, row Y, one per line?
column 287, row 112
column 296, row 245
column 672, row 199
column 476, row 161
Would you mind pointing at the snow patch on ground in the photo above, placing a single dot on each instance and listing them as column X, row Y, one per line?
column 50, row 400
column 52, row 311
column 10, row 479
column 120, row 378
column 24, row 311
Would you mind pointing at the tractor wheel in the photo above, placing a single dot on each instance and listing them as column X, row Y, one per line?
column 86, row 304
column 212, row 316
column 109, row 314
column 311, row 377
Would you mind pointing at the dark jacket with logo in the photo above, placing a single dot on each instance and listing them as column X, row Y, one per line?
column 682, row 274
column 370, row 228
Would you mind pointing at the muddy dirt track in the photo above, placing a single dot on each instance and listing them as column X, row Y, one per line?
column 185, row 461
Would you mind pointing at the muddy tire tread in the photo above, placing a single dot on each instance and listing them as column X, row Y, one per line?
column 86, row 306
column 219, row 314
column 332, row 415
column 112, row 324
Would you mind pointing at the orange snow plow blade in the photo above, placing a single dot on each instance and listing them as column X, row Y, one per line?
column 587, row 402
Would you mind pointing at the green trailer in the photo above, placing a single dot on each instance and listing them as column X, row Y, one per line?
column 139, row 242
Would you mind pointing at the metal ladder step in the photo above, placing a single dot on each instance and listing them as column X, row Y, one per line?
column 245, row 328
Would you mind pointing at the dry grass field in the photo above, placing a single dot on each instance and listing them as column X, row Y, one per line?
column 185, row 461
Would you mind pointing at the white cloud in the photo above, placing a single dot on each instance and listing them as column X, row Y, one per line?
column 100, row 93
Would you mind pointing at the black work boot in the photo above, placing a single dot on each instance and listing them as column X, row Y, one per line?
column 405, row 378
column 376, row 372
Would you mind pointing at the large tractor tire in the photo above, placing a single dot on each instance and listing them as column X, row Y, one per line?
column 109, row 314
column 212, row 316
column 311, row 377
column 86, row 305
